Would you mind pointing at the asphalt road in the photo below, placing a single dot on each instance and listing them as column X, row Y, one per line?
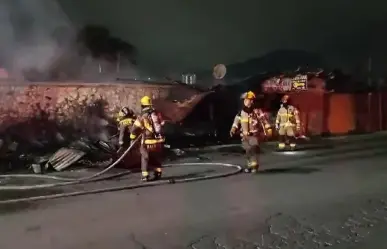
column 331, row 196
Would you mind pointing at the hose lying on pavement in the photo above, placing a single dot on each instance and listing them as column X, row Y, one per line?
column 69, row 181
column 237, row 170
column 95, row 177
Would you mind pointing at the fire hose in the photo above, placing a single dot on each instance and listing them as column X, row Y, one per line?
column 95, row 177
column 69, row 181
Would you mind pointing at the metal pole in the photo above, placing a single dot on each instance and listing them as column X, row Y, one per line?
column 118, row 62
column 380, row 111
column 369, row 112
column 369, row 71
column 211, row 116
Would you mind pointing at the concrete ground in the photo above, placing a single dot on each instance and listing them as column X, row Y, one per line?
column 332, row 195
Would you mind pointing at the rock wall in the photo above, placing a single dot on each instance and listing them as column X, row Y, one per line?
column 75, row 104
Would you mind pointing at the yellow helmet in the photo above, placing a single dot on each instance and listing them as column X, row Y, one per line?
column 146, row 101
column 248, row 95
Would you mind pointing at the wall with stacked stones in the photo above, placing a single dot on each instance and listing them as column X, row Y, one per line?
column 26, row 106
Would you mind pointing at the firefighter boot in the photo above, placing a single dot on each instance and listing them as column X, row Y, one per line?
column 292, row 143
column 281, row 146
column 281, row 141
column 145, row 176
column 253, row 167
column 247, row 170
column 247, row 167
column 157, row 174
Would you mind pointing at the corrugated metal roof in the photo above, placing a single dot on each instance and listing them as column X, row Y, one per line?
column 177, row 111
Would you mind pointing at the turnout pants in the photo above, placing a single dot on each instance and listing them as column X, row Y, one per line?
column 286, row 135
column 151, row 158
column 251, row 145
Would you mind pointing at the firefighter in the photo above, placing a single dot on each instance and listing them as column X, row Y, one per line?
column 126, row 118
column 287, row 123
column 148, row 124
column 252, row 122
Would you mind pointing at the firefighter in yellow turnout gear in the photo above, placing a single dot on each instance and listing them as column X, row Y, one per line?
column 287, row 124
column 148, row 124
column 251, row 122
column 125, row 119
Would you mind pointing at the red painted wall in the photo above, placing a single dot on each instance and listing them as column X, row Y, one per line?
column 341, row 113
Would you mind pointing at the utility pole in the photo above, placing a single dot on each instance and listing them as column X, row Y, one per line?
column 369, row 71
column 99, row 67
column 118, row 62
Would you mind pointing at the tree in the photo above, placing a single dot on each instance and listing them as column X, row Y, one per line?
column 101, row 44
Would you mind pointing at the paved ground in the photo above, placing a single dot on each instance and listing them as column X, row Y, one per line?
column 327, row 197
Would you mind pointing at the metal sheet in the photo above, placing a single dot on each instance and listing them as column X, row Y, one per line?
column 175, row 112
column 64, row 158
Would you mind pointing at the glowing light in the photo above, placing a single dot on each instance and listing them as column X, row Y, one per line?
column 291, row 153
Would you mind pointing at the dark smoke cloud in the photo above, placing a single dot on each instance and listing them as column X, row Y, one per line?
column 29, row 34
column 38, row 42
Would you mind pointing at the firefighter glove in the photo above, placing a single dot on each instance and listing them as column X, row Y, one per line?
column 277, row 126
column 232, row 132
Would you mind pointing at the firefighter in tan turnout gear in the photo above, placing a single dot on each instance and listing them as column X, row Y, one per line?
column 148, row 124
column 287, row 124
column 250, row 121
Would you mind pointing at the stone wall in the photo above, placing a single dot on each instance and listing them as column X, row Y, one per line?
column 75, row 104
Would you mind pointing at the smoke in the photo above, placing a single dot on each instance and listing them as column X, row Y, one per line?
column 32, row 34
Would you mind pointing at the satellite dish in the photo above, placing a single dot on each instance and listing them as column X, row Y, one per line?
column 219, row 71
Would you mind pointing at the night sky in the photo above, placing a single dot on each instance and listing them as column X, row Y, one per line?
column 198, row 34
column 189, row 35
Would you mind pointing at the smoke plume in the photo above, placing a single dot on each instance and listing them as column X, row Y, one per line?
column 31, row 34
column 39, row 42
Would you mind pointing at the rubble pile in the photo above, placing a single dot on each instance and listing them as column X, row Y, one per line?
column 39, row 156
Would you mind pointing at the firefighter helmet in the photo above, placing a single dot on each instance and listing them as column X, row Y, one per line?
column 248, row 95
column 285, row 98
column 124, row 112
column 146, row 101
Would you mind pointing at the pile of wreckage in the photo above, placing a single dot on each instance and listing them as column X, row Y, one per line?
column 58, row 153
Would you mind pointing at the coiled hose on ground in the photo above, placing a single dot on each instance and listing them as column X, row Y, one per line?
column 95, row 177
